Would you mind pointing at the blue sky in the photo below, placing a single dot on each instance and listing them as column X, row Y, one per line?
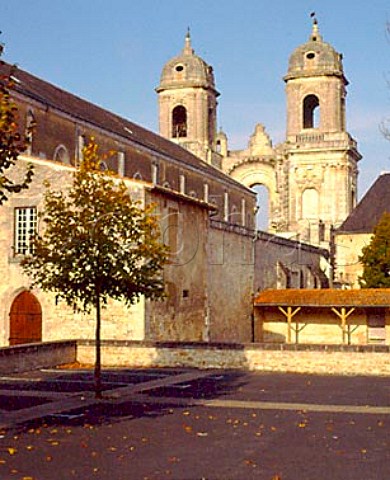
column 112, row 53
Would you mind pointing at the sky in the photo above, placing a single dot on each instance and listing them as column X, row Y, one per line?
column 112, row 52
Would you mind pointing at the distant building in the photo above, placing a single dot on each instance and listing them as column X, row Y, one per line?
column 356, row 232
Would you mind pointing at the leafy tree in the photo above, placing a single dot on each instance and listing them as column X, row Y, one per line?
column 97, row 244
column 376, row 257
column 12, row 142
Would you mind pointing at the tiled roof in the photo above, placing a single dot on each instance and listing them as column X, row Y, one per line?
column 369, row 297
column 369, row 210
column 54, row 97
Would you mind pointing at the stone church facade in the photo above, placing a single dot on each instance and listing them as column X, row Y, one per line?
column 311, row 177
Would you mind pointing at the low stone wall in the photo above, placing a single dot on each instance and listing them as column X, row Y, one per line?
column 25, row 358
column 314, row 359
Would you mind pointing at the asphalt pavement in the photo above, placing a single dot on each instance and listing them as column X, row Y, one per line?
column 194, row 424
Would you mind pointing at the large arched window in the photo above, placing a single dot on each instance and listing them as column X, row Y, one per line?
column 311, row 112
column 179, row 122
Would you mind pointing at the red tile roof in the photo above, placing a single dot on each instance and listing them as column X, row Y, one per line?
column 370, row 297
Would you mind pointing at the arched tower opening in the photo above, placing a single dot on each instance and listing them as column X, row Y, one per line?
column 179, row 122
column 311, row 112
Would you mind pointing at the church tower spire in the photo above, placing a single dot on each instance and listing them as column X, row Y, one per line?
column 188, row 103
column 188, row 50
column 321, row 154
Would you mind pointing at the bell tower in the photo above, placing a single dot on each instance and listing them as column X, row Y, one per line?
column 321, row 156
column 188, row 104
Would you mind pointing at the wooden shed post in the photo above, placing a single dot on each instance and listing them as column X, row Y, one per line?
column 343, row 315
column 289, row 314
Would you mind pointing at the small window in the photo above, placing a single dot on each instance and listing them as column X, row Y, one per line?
column 155, row 173
column 179, row 68
column 25, row 228
column 61, row 155
column 310, row 55
column 103, row 167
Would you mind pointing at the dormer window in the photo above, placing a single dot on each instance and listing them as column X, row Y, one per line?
column 310, row 55
column 179, row 68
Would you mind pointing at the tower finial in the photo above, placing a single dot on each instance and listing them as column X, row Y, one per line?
column 188, row 50
column 315, row 34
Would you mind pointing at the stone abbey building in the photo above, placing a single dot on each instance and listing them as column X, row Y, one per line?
column 312, row 176
column 203, row 197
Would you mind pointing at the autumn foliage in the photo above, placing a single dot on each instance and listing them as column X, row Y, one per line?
column 12, row 141
column 376, row 257
column 96, row 244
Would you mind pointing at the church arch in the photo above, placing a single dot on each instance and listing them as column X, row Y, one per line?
column 262, row 206
column 311, row 111
column 25, row 319
column 179, row 122
column 262, row 174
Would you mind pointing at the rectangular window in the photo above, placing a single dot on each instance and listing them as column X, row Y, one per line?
column 25, row 227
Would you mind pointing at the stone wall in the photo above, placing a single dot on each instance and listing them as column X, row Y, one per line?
column 349, row 247
column 59, row 320
column 285, row 263
column 24, row 358
column 230, row 283
column 309, row 359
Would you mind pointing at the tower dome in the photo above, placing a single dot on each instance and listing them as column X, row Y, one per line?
column 187, row 101
column 315, row 57
column 186, row 70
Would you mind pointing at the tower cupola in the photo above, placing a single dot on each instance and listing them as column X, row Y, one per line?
column 315, row 58
column 188, row 103
column 186, row 70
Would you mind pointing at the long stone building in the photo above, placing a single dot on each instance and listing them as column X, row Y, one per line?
column 204, row 198
column 312, row 176
column 206, row 218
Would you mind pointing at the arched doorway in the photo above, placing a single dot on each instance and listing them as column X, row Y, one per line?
column 25, row 320
column 263, row 199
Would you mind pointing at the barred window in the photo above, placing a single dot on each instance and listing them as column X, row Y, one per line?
column 25, row 227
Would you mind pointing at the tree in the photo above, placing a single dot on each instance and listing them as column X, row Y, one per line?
column 97, row 244
column 376, row 257
column 12, row 142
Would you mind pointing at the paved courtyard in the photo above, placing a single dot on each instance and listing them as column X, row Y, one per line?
column 192, row 424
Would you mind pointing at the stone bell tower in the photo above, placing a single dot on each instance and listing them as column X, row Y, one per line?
column 321, row 156
column 188, row 104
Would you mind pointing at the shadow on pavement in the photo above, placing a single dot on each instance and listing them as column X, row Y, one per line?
column 112, row 410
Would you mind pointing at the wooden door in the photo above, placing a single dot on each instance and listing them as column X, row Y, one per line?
column 25, row 320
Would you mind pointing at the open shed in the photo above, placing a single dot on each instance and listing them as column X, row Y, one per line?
column 322, row 316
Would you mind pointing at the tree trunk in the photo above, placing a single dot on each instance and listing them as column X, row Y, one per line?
column 98, row 363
